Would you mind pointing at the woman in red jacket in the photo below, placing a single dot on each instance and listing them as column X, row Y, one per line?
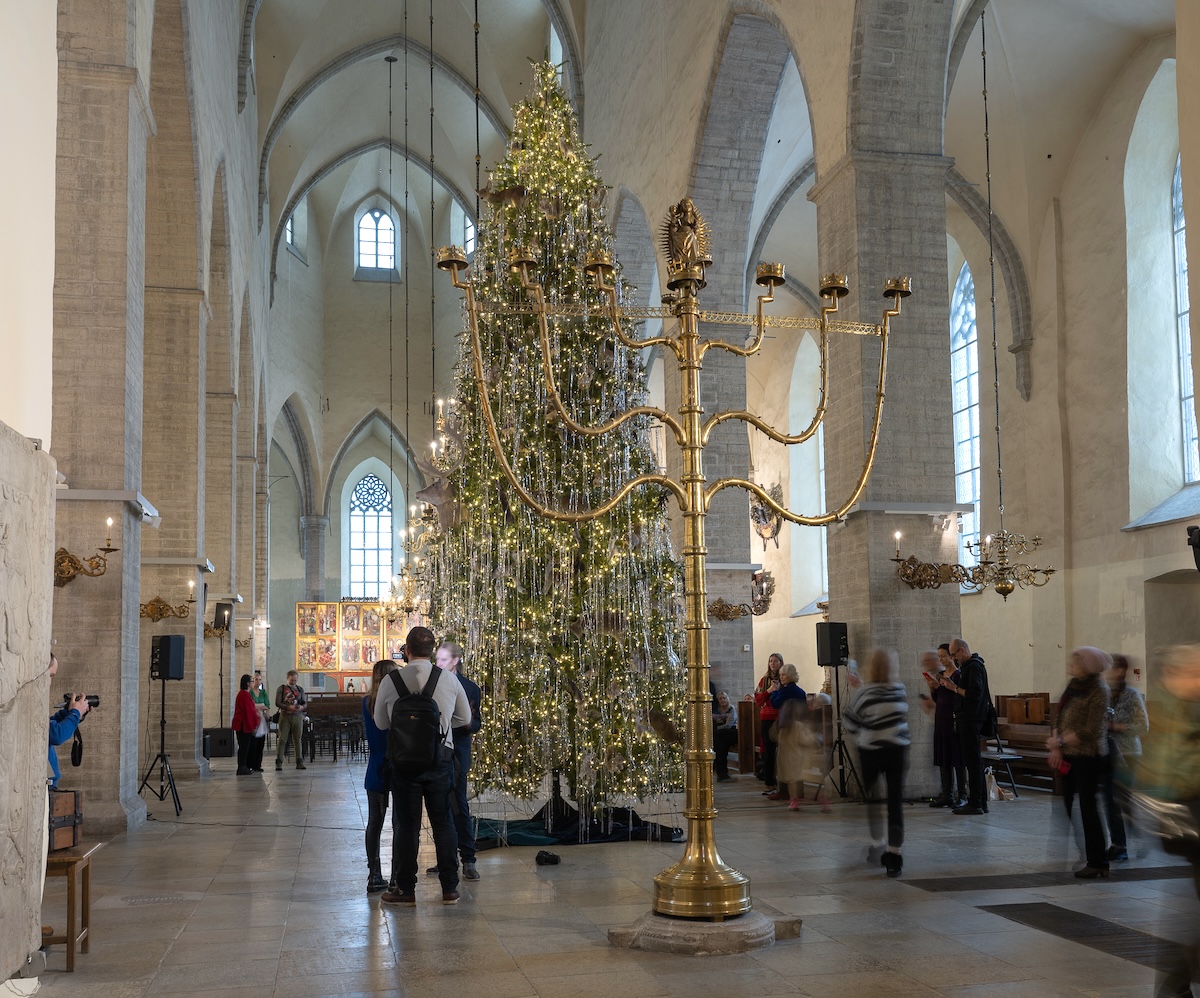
column 245, row 723
column 768, row 716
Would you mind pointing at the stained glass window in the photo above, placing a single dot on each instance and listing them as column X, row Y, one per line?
column 370, row 539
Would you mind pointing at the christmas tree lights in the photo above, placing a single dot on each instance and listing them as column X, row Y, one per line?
column 572, row 630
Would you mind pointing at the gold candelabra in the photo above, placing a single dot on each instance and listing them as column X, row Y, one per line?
column 995, row 569
column 67, row 566
column 700, row 885
column 409, row 591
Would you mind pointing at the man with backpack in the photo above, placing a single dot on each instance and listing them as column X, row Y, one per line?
column 419, row 706
column 972, row 701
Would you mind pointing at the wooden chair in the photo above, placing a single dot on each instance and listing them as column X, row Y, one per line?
column 70, row 863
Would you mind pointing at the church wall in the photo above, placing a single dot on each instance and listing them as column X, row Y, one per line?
column 29, row 109
column 1071, row 441
column 287, row 570
column 26, row 553
column 356, row 347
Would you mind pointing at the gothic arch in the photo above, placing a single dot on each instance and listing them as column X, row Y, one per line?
column 302, row 439
column 801, row 290
column 356, row 434
column 634, row 244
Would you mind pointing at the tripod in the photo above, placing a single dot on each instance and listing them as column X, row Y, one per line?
column 844, row 759
column 165, row 777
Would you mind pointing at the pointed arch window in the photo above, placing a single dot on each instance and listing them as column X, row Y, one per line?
column 376, row 240
column 370, row 538
column 964, row 381
column 1183, row 329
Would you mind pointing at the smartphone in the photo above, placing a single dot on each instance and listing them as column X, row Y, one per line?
column 929, row 677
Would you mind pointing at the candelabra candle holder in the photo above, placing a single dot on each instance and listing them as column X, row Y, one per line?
column 67, row 566
column 409, row 592
column 159, row 609
column 700, row 885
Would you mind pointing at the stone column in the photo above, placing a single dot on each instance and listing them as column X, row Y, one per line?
column 247, row 481
column 881, row 215
column 104, row 121
column 314, row 530
column 262, row 554
column 174, row 476
column 221, row 408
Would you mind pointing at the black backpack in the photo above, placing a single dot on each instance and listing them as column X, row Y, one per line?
column 415, row 739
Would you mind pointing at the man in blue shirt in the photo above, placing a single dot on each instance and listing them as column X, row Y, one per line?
column 63, row 724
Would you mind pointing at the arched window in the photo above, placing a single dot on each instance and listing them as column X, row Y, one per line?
column 1183, row 329
column 377, row 240
column 370, row 539
column 289, row 234
column 964, row 382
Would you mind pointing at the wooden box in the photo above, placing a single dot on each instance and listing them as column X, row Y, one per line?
column 1035, row 708
column 1016, row 710
column 66, row 818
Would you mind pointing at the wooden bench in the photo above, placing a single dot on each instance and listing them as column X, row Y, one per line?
column 70, row 863
column 1028, row 741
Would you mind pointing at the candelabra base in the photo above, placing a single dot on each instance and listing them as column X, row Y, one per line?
column 663, row 934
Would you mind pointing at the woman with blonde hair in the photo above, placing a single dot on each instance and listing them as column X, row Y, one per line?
column 878, row 715
column 768, row 714
column 377, row 781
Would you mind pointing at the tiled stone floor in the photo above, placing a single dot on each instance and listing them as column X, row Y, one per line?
column 258, row 889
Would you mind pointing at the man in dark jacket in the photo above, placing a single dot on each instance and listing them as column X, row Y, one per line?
column 970, row 709
column 449, row 657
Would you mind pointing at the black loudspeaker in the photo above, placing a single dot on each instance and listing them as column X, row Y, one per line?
column 833, row 647
column 166, row 656
column 219, row 743
column 223, row 616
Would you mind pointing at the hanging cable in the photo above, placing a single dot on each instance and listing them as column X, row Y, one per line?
column 477, row 156
column 987, row 157
column 407, row 296
column 390, row 60
column 432, row 251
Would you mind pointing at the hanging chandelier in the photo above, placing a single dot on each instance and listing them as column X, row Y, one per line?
column 995, row 568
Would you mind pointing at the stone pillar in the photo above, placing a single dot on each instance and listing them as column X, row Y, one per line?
column 174, row 479
column 262, row 554
column 314, row 530
column 881, row 215
column 247, row 481
column 104, row 121
column 221, row 409
column 27, row 526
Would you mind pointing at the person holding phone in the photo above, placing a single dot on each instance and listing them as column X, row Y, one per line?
column 947, row 751
column 1079, row 749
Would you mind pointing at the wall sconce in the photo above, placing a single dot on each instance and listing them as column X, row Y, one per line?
column 762, row 590
column 159, row 609
column 67, row 565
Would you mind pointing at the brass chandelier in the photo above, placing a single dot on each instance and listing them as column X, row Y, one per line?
column 996, row 568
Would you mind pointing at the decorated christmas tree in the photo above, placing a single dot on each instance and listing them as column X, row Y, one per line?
column 572, row 630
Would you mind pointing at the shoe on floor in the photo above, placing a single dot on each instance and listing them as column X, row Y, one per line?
column 279, row 764
column 376, row 885
column 1091, row 872
column 968, row 809
column 875, row 854
column 395, row 897
column 1117, row 854
column 469, row 872
column 431, row 872
column 301, row 765
column 768, row 791
column 449, row 897
column 942, row 800
column 893, row 862
column 776, row 795
column 794, row 805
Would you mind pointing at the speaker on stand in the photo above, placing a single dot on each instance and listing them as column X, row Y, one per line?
column 833, row 651
column 166, row 662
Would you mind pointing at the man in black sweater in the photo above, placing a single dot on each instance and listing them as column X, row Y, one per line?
column 970, row 709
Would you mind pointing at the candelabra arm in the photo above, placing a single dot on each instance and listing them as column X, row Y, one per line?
column 493, row 433
column 614, row 315
column 751, row 348
column 823, row 518
column 664, row 417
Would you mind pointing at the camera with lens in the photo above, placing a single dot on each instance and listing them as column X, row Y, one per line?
column 92, row 699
